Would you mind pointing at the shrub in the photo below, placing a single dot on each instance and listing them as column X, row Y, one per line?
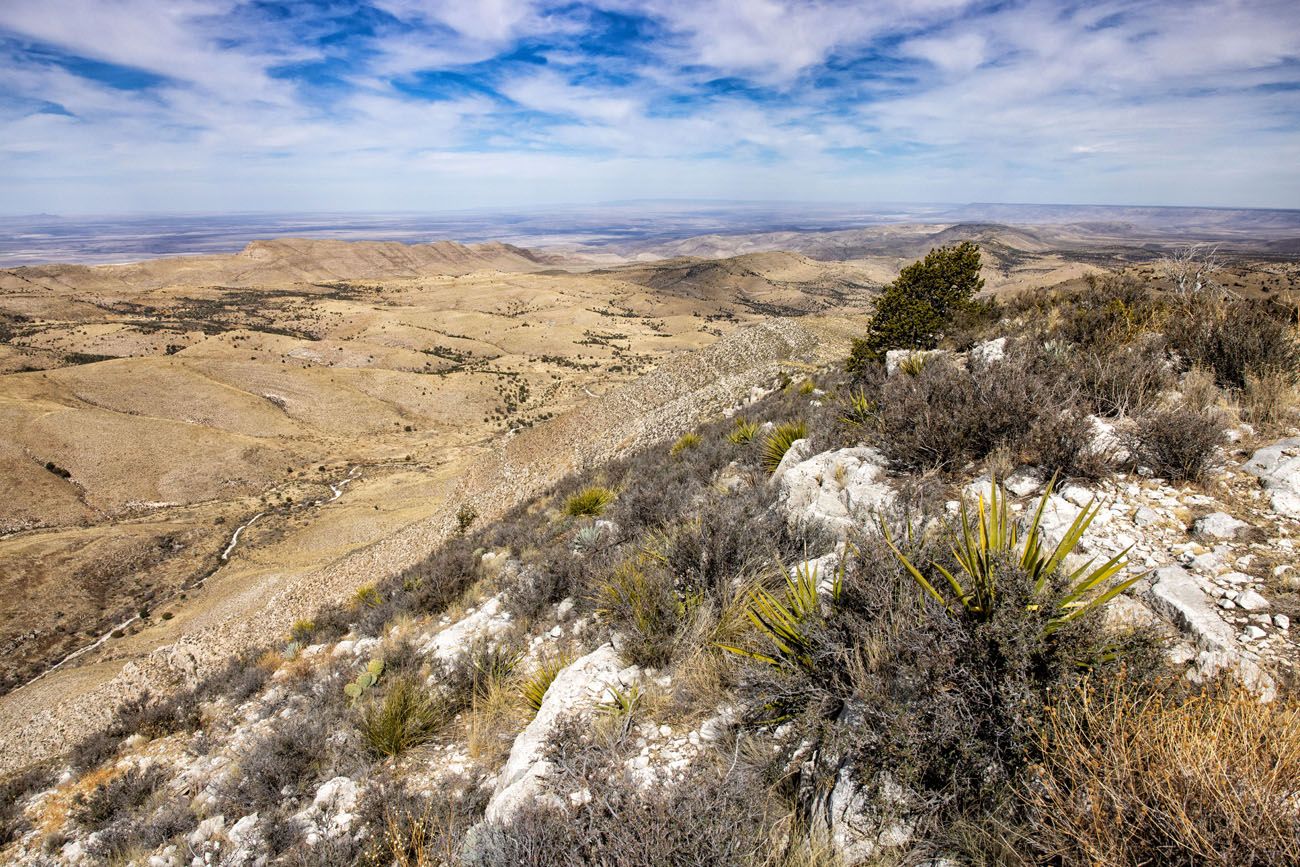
column 466, row 515
column 1177, row 443
column 406, row 717
column 120, row 795
column 13, row 791
column 778, row 442
column 1269, row 399
column 302, row 630
column 278, row 765
column 915, row 307
column 1063, row 443
column 708, row 817
column 684, row 442
column 367, row 596
column 945, row 416
column 744, row 432
column 1239, row 338
column 641, row 602
column 415, row 830
column 785, row 622
column 1109, row 312
column 589, row 501
column 1131, row 776
column 1123, row 380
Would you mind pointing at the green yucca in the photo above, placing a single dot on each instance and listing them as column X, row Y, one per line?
column 684, row 442
column 859, row 410
column 994, row 533
column 778, row 442
column 744, row 432
column 534, row 688
column 807, row 387
column 785, row 620
column 367, row 596
column 589, row 501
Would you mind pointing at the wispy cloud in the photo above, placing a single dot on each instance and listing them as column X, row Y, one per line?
column 117, row 105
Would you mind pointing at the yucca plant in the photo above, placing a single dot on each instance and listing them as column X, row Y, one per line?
column 684, row 442
column 493, row 666
column 778, row 442
column 785, row 620
column 744, row 432
column 991, row 535
column 589, row 501
column 367, row 596
column 534, row 688
column 913, row 364
column 858, row 409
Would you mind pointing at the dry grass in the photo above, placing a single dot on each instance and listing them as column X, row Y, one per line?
column 1137, row 778
column 1269, row 399
column 496, row 714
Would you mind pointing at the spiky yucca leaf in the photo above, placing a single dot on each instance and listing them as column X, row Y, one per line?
column 858, row 409
column 534, row 688
column 744, row 432
column 684, row 442
column 778, row 442
column 991, row 534
column 785, row 621
column 589, row 501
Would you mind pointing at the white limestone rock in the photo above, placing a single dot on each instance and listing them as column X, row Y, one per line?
column 1277, row 466
column 989, row 351
column 1220, row 525
column 578, row 688
column 1251, row 601
column 799, row 451
column 484, row 623
column 836, row 488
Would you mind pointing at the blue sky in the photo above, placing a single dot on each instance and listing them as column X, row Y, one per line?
column 118, row 106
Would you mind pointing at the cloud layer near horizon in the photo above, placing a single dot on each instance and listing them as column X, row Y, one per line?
column 210, row 105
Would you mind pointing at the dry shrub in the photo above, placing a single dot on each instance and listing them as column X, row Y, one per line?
column 1199, row 391
column 1125, row 380
column 1177, row 443
column 1269, row 399
column 1131, row 777
column 1238, row 338
column 1064, row 445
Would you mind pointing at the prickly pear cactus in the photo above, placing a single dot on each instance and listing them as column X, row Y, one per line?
column 366, row 679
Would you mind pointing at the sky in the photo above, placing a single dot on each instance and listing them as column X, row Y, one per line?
column 156, row 106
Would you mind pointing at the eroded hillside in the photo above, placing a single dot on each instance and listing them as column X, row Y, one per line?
column 318, row 395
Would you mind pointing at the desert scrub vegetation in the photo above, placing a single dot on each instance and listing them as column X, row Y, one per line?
column 1135, row 776
column 1179, row 442
column 407, row 716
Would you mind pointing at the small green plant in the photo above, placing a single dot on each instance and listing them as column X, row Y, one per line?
column 292, row 649
column 588, row 502
column 365, row 680
column 807, row 387
column 684, row 442
column 493, row 666
column 744, row 432
column 784, row 620
column 913, row 364
column 858, row 410
column 622, row 702
column 466, row 515
column 367, row 596
column 778, row 442
column 302, row 630
column 407, row 717
column 588, row 538
column 993, row 534
column 534, row 688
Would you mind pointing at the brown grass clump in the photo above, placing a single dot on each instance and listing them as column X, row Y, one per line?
column 1269, row 399
column 1132, row 777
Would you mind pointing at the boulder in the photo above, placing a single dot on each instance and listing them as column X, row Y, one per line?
column 989, row 351
column 578, row 688
column 1220, row 525
column 799, row 451
column 836, row 488
column 1277, row 467
column 484, row 623
column 862, row 822
column 1024, row 481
